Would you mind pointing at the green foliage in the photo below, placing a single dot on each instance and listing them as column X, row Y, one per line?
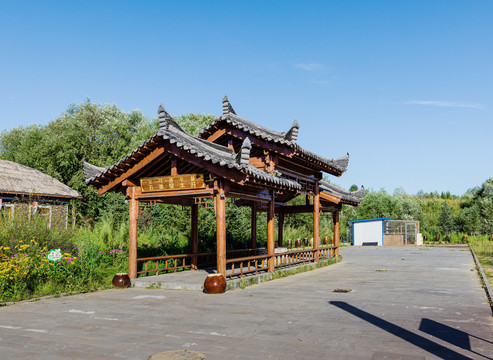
column 98, row 134
column 446, row 220
column 194, row 123
column 11, row 232
column 353, row 187
column 440, row 214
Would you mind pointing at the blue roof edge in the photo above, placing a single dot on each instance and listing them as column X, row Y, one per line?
column 377, row 219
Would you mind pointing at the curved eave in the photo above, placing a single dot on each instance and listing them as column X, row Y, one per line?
column 332, row 166
column 353, row 198
column 246, row 126
column 225, row 160
column 112, row 172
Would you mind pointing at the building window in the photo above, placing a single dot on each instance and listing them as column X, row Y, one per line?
column 7, row 211
column 41, row 212
column 44, row 212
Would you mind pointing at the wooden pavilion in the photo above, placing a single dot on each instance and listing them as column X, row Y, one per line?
column 231, row 158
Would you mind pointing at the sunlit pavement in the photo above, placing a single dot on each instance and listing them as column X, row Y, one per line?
column 400, row 303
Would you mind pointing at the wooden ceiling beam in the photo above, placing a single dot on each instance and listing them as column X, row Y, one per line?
column 226, row 173
column 126, row 174
column 216, row 135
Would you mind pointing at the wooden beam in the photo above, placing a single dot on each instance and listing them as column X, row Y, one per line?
column 133, row 215
column 271, row 233
column 293, row 173
column 293, row 165
column 126, row 174
column 220, row 207
column 316, row 222
column 194, row 234
column 259, row 196
column 230, row 145
column 258, row 162
column 213, row 137
column 335, row 217
column 295, row 209
column 331, row 208
column 174, row 169
column 330, row 197
column 128, row 182
column 164, row 194
column 254, row 225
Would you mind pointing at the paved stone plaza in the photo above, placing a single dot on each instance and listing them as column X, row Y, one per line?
column 405, row 303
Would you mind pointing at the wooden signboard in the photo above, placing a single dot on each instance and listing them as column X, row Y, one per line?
column 172, row 183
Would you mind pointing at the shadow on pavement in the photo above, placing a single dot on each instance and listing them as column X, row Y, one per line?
column 443, row 332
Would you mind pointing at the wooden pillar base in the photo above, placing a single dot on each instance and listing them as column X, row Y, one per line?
column 220, row 204
column 335, row 217
column 133, row 213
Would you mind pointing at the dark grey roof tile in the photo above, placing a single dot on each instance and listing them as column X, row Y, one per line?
column 347, row 196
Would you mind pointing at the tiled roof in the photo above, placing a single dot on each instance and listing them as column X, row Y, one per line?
column 347, row 196
column 170, row 132
column 285, row 138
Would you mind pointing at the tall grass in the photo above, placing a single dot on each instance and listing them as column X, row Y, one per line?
column 14, row 230
column 482, row 245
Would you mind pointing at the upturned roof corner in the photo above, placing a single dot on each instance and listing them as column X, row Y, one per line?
column 243, row 156
column 227, row 108
column 165, row 119
column 292, row 134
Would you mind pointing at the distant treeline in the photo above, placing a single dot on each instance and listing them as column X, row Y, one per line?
column 103, row 134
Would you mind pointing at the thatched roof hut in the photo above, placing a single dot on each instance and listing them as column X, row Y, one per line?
column 17, row 179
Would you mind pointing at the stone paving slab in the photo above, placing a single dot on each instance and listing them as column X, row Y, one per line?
column 424, row 303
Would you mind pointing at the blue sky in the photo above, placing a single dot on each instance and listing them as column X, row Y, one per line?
column 404, row 87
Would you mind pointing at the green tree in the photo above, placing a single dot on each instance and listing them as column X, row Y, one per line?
column 446, row 220
column 99, row 134
column 194, row 123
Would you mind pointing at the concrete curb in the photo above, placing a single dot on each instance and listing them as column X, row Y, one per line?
column 484, row 279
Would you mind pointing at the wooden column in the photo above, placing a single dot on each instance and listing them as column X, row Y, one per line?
column 254, row 225
column 335, row 217
column 316, row 222
column 280, row 228
column 271, row 232
column 194, row 234
column 174, row 168
column 133, row 213
column 220, row 204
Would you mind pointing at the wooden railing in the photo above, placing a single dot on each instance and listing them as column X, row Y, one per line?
column 247, row 265
column 172, row 263
column 255, row 264
column 237, row 266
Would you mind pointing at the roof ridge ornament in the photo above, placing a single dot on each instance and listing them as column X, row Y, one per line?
column 243, row 156
column 227, row 108
column 165, row 119
column 292, row 134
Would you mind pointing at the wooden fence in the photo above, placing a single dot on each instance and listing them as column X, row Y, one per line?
column 239, row 262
